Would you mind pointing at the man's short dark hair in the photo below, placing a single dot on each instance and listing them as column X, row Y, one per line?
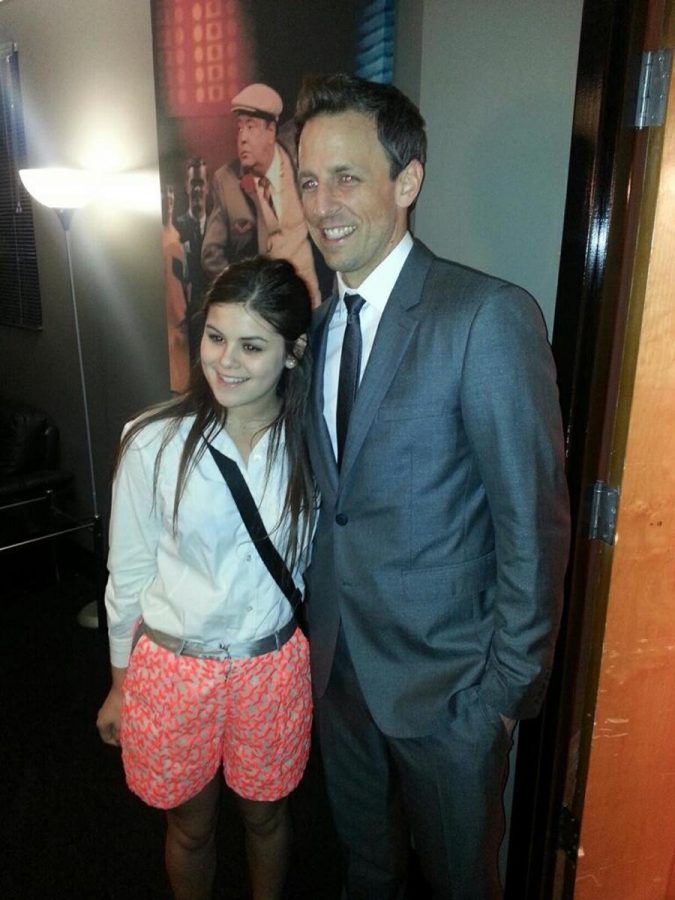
column 400, row 126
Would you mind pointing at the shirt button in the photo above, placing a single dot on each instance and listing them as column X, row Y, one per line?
column 341, row 519
column 248, row 557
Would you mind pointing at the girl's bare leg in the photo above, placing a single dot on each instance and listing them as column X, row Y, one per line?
column 268, row 842
column 190, row 851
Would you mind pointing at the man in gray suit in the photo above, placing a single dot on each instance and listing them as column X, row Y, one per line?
column 436, row 578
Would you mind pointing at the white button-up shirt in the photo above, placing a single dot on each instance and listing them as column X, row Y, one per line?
column 206, row 581
column 375, row 290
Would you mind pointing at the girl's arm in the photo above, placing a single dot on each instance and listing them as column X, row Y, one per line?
column 135, row 528
column 132, row 562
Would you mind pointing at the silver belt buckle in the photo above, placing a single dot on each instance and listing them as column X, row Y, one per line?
column 225, row 648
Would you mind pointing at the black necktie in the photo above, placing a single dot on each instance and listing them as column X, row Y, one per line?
column 350, row 368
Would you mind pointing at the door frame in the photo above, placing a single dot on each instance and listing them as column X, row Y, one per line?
column 594, row 326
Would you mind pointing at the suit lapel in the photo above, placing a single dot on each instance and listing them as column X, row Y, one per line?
column 397, row 326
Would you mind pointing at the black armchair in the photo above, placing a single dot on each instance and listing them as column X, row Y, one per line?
column 29, row 449
column 30, row 478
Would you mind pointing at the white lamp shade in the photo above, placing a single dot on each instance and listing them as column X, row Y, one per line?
column 60, row 188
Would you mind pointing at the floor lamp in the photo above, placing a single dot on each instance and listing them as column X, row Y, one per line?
column 65, row 191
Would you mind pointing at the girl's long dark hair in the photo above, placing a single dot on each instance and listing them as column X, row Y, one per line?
column 272, row 289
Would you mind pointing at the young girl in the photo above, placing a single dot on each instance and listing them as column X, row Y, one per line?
column 220, row 675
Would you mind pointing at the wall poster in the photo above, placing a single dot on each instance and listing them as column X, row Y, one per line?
column 227, row 73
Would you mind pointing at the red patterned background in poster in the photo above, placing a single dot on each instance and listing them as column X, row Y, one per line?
column 205, row 56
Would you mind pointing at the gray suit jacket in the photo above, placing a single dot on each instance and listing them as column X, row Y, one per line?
column 442, row 544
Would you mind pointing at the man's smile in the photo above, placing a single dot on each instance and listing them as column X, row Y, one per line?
column 337, row 232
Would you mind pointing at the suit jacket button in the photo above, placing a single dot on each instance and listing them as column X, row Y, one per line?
column 341, row 519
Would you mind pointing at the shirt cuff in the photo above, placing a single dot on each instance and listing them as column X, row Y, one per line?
column 120, row 651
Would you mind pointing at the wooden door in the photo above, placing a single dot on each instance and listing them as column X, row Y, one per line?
column 609, row 274
column 627, row 845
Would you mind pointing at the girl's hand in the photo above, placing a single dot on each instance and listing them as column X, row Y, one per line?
column 109, row 717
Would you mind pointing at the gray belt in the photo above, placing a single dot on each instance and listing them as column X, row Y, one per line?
column 220, row 650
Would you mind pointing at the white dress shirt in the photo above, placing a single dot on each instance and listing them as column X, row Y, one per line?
column 375, row 290
column 206, row 581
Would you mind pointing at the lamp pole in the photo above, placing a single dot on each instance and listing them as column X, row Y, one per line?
column 65, row 191
column 65, row 217
column 92, row 614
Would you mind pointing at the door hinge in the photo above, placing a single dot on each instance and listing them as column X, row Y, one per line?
column 653, row 88
column 568, row 833
column 603, row 503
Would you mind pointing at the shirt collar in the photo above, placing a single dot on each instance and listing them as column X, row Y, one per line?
column 377, row 287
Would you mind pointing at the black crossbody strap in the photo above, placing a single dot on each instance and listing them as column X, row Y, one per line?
column 254, row 525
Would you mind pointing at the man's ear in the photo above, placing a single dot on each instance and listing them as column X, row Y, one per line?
column 299, row 348
column 409, row 184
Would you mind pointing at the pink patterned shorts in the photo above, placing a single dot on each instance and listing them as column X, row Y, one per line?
column 183, row 717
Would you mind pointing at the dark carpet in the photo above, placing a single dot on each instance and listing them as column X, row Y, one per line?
column 69, row 826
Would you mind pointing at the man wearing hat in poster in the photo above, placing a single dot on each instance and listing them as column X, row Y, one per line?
column 256, row 204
